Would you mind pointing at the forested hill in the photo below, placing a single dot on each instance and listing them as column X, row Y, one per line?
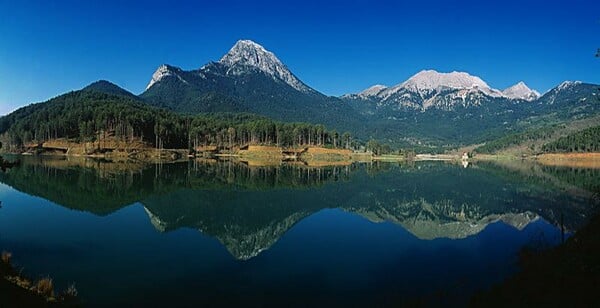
column 86, row 114
column 108, row 87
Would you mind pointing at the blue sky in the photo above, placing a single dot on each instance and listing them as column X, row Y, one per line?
column 336, row 47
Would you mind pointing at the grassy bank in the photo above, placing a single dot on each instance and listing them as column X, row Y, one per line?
column 576, row 160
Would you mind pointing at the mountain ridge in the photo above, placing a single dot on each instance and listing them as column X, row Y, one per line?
column 430, row 108
column 428, row 81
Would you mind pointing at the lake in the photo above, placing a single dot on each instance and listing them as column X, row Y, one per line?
column 211, row 233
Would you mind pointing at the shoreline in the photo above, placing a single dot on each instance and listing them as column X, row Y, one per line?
column 574, row 160
column 320, row 156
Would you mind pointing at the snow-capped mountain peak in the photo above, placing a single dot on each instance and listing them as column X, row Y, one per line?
column 162, row 72
column 429, row 81
column 248, row 53
column 521, row 91
column 373, row 90
column 433, row 80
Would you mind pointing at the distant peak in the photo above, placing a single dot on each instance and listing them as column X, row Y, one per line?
column 247, row 53
column 521, row 91
column 429, row 81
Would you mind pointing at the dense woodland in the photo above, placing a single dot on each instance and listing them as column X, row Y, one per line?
column 587, row 140
column 88, row 115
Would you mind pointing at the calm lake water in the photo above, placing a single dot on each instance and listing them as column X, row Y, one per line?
column 207, row 233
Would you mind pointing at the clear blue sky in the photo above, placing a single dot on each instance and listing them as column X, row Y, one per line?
column 336, row 47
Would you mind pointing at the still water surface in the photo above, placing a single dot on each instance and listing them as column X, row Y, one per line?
column 214, row 233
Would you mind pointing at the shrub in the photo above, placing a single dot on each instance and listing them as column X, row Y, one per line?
column 45, row 287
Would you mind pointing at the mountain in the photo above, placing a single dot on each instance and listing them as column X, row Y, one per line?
column 430, row 108
column 571, row 100
column 458, row 108
column 430, row 111
column 570, row 92
column 563, row 119
column 248, row 78
column 521, row 91
column 247, row 54
column 428, row 81
column 431, row 89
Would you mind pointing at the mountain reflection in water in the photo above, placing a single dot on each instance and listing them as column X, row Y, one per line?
column 248, row 209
